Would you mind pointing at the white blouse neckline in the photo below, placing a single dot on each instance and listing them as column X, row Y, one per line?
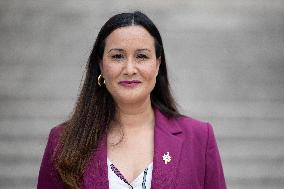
column 115, row 181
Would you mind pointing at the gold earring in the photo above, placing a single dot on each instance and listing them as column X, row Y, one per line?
column 100, row 80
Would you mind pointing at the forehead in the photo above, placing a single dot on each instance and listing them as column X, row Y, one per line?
column 130, row 36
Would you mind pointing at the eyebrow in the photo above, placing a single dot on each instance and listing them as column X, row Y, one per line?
column 144, row 50
column 121, row 50
column 115, row 49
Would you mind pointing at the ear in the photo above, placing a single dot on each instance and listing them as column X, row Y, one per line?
column 158, row 62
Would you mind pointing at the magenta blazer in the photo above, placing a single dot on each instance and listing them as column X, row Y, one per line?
column 195, row 160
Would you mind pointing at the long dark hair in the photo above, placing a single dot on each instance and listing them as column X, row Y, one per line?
column 95, row 107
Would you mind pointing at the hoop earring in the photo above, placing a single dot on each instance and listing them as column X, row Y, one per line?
column 100, row 80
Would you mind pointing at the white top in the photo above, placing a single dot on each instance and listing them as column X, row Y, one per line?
column 116, row 179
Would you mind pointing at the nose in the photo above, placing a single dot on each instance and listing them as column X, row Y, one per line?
column 130, row 67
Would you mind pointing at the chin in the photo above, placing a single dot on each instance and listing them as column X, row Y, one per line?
column 132, row 99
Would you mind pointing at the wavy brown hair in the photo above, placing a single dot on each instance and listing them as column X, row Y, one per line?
column 95, row 107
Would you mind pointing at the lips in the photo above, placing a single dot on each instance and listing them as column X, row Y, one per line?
column 130, row 83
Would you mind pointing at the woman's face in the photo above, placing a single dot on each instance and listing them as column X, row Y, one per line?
column 129, row 64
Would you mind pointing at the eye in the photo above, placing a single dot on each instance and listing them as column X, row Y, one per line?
column 117, row 56
column 142, row 56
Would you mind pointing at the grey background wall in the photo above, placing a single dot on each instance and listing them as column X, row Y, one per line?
column 226, row 65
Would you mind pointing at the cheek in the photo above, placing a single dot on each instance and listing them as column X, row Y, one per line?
column 110, row 71
column 150, row 72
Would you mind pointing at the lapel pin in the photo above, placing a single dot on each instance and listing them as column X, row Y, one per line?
column 167, row 158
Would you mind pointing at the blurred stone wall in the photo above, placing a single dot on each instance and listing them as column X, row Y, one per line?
column 226, row 66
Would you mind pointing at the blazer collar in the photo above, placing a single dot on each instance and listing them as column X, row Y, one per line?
column 166, row 140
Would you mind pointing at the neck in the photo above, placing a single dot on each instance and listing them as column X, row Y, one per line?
column 135, row 116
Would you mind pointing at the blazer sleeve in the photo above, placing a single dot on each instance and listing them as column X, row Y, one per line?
column 214, row 176
column 48, row 176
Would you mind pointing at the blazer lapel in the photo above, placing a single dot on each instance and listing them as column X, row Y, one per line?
column 96, row 175
column 167, row 140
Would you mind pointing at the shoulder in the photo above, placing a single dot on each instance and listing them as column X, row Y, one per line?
column 190, row 127
column 57, row 129
column 194, row 127
column 189, row 123
column 48, row 176
column 54, row 135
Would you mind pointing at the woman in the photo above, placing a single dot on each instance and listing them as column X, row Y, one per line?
column 125, row 131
